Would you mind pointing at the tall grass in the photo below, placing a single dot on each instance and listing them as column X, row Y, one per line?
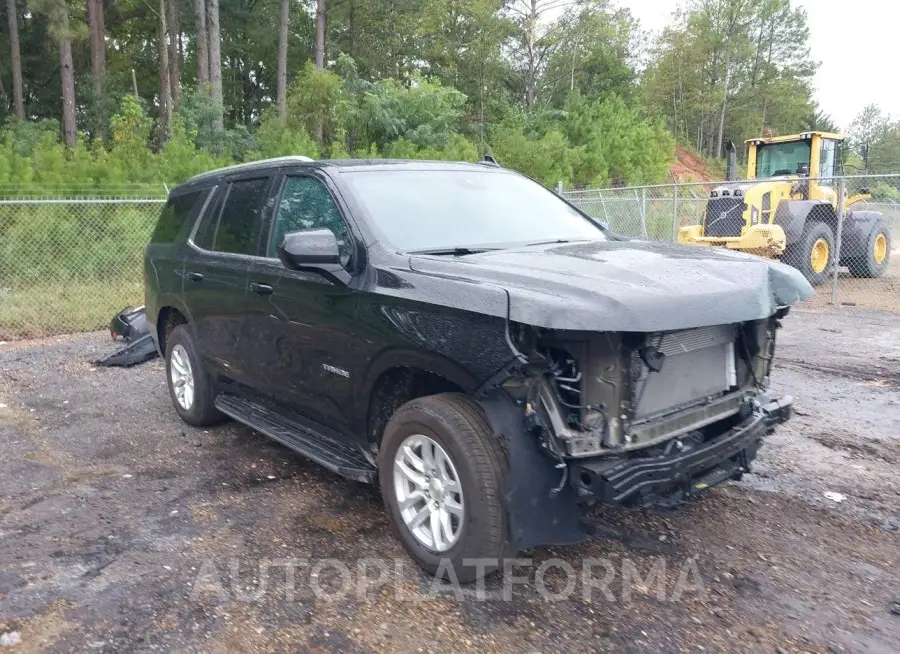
column 70, row 266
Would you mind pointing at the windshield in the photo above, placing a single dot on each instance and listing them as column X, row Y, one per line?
column 465, row 209
column 781, row 158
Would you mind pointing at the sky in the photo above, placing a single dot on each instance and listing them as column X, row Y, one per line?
column 856, row 41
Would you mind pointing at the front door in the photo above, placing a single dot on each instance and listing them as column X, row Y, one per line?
column 300, row 325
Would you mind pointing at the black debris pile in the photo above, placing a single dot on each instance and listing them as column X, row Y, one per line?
column 130, row 325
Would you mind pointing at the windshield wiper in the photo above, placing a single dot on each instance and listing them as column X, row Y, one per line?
column 556, row 241
column 456, row 252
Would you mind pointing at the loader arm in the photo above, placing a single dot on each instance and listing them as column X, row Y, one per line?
column 859, row 197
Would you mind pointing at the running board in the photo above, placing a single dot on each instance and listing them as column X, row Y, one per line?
column 325, row 451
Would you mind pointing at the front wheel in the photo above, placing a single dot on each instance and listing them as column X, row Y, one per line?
column 813, row 254
column 441, row 471
column 874, row 261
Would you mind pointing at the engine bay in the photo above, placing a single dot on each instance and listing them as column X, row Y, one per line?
column 593, row 393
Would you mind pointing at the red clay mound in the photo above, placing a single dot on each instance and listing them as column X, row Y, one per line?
column 688, row 167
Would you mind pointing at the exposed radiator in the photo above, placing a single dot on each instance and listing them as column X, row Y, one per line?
column 698, row 363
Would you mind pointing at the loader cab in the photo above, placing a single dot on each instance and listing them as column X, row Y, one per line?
column 815, row 155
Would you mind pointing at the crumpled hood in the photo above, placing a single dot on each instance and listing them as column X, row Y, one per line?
column 628, row 285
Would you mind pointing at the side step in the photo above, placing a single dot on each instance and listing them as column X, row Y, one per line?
column 325, row 451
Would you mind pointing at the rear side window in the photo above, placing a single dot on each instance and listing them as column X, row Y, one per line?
column 206, row 230
column 241, row 219
column 178, row 210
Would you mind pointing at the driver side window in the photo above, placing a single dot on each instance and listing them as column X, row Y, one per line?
column 307, row 204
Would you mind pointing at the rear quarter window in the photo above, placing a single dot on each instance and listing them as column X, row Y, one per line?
column 178, row 212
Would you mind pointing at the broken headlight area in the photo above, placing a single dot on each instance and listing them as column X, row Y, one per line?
column 625, row 396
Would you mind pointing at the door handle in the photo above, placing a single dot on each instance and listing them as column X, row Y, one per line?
column 195, row 276
column 261, row 289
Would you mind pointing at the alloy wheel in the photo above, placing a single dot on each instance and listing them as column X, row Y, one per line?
column 182, row 376
column 428, row 492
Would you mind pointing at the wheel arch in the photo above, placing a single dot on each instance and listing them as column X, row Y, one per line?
column 168, row 318
column 399, row 375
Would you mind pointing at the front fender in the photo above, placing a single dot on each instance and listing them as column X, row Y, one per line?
column 535, row 517
column 791, row 216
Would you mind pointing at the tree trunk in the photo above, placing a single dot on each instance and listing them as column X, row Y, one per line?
column 724, row 103
column 352, row 28
column 215, row 63
column 98, row 65
column 320, row 60
column 202, row 40
column 174, row 29
column 164, row 121
column 67, row 74
column 283, row 22
column 16, row 54
column 320, row 33
column 531, row 39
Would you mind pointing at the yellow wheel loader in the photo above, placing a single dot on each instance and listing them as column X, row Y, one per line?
column 788, row 209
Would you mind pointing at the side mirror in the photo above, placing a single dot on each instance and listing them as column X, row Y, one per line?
column 316, row 250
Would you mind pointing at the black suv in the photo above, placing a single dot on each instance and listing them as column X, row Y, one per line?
column 494, row 358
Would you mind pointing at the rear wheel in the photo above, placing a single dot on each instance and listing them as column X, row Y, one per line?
column 441, row 471
column 874, row 261
column 190, row 387
column 813, row 254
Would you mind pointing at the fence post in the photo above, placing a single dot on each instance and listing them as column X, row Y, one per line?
column 675, row 222
column 644, row 211
column 842, row 189
column 559, row 187
column 603, row 205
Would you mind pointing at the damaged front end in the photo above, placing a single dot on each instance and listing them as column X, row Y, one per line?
column 640, row 419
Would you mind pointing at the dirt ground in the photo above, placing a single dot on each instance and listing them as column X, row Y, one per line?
column 871, row 293
column 124, row 530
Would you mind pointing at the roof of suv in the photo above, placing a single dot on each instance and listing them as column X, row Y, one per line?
column 359, row 164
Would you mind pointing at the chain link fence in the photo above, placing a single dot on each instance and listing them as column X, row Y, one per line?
column 838, row 231
column 68, row 264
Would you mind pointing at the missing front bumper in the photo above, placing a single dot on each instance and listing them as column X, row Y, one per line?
column 677, row 474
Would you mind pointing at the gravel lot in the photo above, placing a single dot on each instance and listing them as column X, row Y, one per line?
column 122, row 529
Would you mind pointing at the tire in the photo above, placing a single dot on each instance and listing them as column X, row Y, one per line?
column 456, row 424
column 874, row 261
column 813, row 254
column 181, row 351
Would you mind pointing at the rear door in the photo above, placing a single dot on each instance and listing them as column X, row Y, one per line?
column 301, row 325
column 223, row 244
column 164, row 255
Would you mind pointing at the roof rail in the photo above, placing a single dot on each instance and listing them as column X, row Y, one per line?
column 489, row 160
column 252, row 165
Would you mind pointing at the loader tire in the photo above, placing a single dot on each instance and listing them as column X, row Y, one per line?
column 874, row 261
column 813, row 254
